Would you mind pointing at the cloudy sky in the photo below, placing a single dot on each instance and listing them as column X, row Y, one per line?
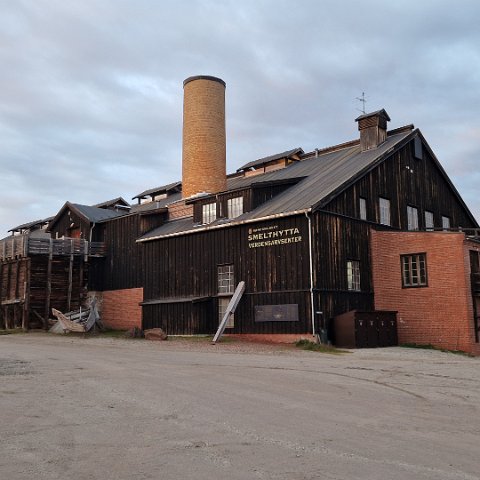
column 91, row 91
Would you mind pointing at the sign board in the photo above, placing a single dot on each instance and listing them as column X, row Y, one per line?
column 272, row 235
column 276, row 313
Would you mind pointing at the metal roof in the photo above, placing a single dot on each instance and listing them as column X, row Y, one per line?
column 322, row 176
column 271, row 158
column 162, row 189
column 144, row 207
column 114, row 201
column 25, row 226
column 95, row 214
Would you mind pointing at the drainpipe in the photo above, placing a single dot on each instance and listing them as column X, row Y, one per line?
column 312, row 306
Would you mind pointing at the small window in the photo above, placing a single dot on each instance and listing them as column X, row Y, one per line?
column 226, row 283
column 209, row 212
column 418, row 148
column 412, row 217
column 234, row 207
column 384, row 205
column 414, row 270
column 429, row 223
column 353, row 275
column 446, row 223
column 222, row 308
column 363, row 208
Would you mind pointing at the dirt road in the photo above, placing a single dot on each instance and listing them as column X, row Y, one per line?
column 74, row 408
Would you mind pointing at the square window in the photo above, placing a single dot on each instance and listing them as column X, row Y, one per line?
column 414, row 270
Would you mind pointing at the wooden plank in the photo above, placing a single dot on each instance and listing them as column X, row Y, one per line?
column 26, row 297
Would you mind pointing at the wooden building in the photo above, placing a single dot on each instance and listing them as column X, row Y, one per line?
column 303, row 230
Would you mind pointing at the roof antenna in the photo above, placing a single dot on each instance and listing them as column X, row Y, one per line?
column 364, row 101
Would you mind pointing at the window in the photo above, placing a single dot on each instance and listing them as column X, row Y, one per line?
column 222, row 308
column 226, row 282
column 234, row 207
column 429, row 224
column 414, row 270
column 226, row 287
column 412, row 217
column 353, row 275
column 446, row 223
column 384, row 204
column 363, row 208
column 209, row 212
column 417, row 148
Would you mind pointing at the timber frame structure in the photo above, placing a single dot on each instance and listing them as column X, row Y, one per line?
column 38, row 273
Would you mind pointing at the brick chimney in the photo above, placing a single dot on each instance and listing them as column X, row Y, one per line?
column 204, row 146
column 373, row 129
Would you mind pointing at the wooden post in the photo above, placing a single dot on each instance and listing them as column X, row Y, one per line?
column 70, row 278
column 49, row 285
column 26, row 297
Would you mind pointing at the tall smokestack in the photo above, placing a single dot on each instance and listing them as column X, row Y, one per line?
column 204, row 148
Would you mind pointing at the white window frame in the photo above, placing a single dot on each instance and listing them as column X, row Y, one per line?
column 429, row 220
column 363, row 208
column 353, row 275
column 209, row 212
column 445, row 222
column 222, row 308
column 225, row 279
column 234, row 207
column 384, row 208
column 414, row 270
column 412, row 218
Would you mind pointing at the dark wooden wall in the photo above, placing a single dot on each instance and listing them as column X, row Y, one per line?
column 337, row 239
column 404, row 180
column 62, row 226
column 186, row 266
column 123, row 265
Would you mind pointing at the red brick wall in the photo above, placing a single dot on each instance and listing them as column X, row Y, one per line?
column 440, row 314
column 120, row 308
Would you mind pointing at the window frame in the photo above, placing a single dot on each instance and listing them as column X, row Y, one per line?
column 236, row 208
column 209, row 212
column 354, row 280
column 418, row 258
column 412, row 218
column 382, row 208
column 446, row 218
column 362, row 206
column 226, row 279
column 429, row 228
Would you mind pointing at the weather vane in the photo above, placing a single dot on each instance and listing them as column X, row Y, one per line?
column 364, row 101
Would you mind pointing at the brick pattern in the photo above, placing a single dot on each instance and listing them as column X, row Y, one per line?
column 204, row 140
column 179, row 210
column 120, row 308
column 440, row 314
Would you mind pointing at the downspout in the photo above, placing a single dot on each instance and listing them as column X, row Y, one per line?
column 310, row 255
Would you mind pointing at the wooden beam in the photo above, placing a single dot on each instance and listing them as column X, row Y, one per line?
column 49, row 286
column 2, row 266
column 70, row 278
column 26, row 297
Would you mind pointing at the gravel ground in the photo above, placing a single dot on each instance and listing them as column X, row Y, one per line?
column 107, row 408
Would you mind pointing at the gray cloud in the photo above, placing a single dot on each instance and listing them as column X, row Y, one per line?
column 91, row 91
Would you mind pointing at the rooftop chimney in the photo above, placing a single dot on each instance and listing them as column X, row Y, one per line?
column 373, row 129
column 204, row 148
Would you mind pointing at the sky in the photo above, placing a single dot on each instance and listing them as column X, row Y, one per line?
column 91, row 92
